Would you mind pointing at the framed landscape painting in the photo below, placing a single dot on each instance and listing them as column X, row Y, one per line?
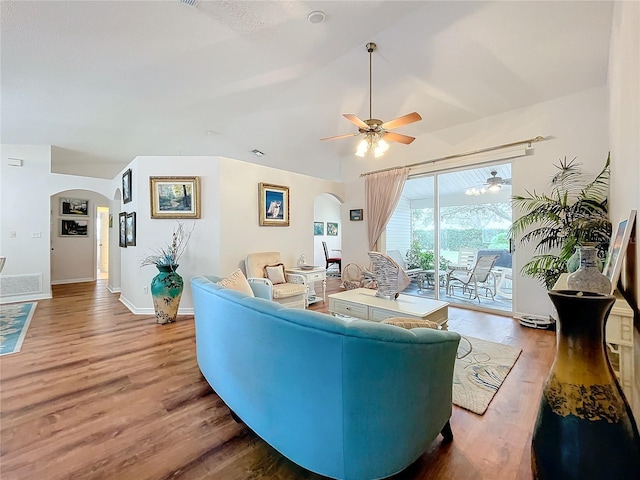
column 273, row 205
column 356, row 215
column 122, row 224
column 130, row 227
column 318, row 228
column 74, row 206
column 175, row 197
column 126, row 186
column 74, row 228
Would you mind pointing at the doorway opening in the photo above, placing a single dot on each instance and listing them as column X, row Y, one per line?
column 104, row 221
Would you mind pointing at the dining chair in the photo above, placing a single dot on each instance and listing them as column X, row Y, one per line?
column 331, row 260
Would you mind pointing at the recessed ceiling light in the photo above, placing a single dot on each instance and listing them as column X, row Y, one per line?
column 257, row 152
column 316, row 17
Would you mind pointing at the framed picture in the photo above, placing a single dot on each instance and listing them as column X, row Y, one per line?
column 126, row 186
column 122, row 223
column 74, row 206
column 617, row 249
column 273, row 205
column 175, row 197
column 74, row 228
column 332, row 229
column 355, row 215
column 318, row 228
column 111, row 220
column 130, row 227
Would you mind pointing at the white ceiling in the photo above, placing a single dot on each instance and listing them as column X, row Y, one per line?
column 105, row 81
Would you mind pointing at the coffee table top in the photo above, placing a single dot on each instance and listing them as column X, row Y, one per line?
column 404, row 304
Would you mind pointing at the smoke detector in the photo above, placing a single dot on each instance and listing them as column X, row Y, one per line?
column 316, row 17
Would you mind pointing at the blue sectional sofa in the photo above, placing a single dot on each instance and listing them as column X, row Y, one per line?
column 347, row 399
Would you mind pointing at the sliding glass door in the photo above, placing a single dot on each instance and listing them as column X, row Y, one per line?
column 459, row 221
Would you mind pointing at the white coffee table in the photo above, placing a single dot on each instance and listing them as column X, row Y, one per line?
column 362, row 303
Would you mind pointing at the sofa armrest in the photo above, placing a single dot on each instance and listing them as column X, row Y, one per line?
column 296, row 278
column 262, row 287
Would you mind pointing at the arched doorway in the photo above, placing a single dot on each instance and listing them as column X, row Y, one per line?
column 328, row 229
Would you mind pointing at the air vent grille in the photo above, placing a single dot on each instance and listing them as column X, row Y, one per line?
column 191, row 3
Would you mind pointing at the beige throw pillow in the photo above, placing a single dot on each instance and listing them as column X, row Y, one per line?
column 238, row 282
column 410, row 323
column 275, row 273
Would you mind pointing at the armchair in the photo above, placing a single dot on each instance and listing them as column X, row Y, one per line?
column 290, row 293
column 480, row 276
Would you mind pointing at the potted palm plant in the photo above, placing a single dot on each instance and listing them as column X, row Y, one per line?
column 574, row 213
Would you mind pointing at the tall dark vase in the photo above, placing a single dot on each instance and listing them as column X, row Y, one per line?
column 166, row 290
column 585, row 429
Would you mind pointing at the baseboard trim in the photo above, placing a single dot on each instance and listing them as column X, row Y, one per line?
column 150, row 311
column 113, row 289
column 72, row 280
column 25, row 298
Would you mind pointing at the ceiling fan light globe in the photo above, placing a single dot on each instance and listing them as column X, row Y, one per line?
column 494, row 188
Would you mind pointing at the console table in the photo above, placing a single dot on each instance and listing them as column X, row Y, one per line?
column 362, row 303
column 318, row 274
column 619, row 338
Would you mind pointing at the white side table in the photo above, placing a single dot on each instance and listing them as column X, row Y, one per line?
column 318, row 274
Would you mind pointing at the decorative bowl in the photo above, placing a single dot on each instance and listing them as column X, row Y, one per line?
column 307, row 267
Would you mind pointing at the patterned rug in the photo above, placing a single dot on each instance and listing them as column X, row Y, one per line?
column 481, row 367
column 14, row 322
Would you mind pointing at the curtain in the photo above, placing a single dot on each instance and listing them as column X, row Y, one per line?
column 382, row 194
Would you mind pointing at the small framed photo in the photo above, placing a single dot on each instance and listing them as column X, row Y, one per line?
column 74, row 206
column 111, row 220
column 175, row 197
column 126, row 186
column 273, row 205
column 130, row 227
column 355, row 215
column 617, row 249
column 332, row 229
column 122, row 224
column 74, row 228
column 318, row 228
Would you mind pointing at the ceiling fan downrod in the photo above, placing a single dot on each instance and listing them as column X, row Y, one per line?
column 371, row 47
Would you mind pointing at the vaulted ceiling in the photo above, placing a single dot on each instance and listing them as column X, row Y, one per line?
column 105, row 81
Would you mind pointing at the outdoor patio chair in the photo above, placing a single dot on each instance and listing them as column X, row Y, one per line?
column 479, row 277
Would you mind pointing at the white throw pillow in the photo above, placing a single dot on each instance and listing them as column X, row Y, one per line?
column 238, row 282
column 275, row 273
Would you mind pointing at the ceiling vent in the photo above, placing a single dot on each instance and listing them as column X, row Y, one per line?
column 191, row 3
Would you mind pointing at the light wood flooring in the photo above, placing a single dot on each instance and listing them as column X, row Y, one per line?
column 99, row 393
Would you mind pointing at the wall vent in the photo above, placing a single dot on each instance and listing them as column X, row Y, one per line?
column 11, row 285
column 191, row 3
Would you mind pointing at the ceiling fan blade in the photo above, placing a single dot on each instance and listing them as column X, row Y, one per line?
column 341, row 136
column 506, row 181
column 398, row 137
column 355, row 120
column 400, row 121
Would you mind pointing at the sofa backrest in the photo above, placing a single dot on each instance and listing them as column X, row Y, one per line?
column 313, row 385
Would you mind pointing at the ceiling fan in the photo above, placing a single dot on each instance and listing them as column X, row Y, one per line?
column 493, row 184
column 376, row 132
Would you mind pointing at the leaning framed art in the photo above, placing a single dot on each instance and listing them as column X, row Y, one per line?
column 175, row 197
column 617, row 249
column 273, row 205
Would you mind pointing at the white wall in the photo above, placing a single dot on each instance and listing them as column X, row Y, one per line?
column 25, row 210
column 73, row 259
column 228, row 228
column 624, row 110
column 326, row 208
column 575, row 125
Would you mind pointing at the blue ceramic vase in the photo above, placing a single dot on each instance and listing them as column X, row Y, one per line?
column 166, row 291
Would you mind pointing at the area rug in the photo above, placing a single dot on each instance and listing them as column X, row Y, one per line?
column 14, row 322
column 480, row 368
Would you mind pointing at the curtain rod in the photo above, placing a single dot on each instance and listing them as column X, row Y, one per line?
column 458, row 155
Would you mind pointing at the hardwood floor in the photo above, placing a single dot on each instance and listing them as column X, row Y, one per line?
column 97, row 392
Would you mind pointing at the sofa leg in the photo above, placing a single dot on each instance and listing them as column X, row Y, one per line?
column 447, row 433
column 235, row 417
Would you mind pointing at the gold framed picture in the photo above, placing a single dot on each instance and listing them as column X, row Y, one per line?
column 273, row 205
column 175, row 197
